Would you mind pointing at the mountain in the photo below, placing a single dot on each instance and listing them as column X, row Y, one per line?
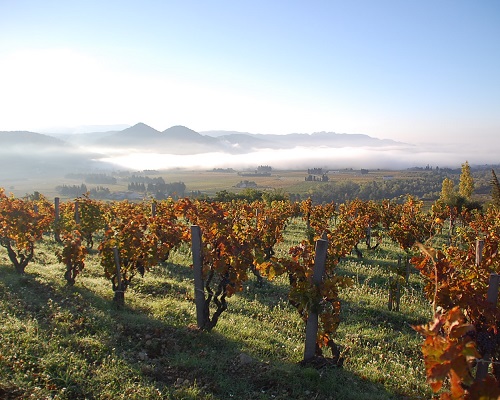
column 140, row 130
column 247, row 141
column 223, row 133
column 243, row 142
column 28, row 154
column 84, row 139
column 138, row 135
column 331, row 139
column 180, row 132
column 20, row 139
column 174, row 140
column 182, row 140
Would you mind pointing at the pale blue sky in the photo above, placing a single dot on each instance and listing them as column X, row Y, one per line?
column 415, row 71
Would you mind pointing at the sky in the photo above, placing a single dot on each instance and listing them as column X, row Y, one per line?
column 425, row 71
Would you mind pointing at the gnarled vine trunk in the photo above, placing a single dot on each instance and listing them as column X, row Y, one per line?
column 19, row 258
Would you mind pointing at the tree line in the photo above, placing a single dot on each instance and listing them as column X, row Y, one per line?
column 425, row 185
column 158, row 187
column 98, row 192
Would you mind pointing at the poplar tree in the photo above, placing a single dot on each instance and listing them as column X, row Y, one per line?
column 495, row 190
column 466, row 185
column 447, row 191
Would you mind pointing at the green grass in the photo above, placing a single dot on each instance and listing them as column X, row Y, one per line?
column 63, row 342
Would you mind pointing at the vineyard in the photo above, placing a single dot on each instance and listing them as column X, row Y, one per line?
column 192, row 299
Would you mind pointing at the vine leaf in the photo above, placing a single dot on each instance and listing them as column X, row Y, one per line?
column 448, row 351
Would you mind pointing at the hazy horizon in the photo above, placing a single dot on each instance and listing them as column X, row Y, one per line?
column 380, row 155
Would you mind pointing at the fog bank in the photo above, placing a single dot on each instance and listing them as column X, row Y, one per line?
column 306, row 157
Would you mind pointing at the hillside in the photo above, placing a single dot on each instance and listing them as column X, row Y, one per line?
column 28, row 154
column 24, row 139
column 317, row 139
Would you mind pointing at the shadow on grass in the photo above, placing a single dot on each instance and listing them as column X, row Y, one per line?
column 376, row 272
column 356, row 313
column 122, row 347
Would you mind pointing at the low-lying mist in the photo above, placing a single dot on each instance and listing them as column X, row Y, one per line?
column 302, row 158
column 24, row 162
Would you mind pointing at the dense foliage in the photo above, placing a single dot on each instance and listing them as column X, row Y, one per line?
column 459, row 283
column 22, row 224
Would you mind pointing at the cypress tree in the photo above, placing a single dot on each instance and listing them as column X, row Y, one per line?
column 495, row 190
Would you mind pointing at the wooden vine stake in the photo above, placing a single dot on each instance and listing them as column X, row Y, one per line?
column 119, row 292
column 312, row 319
column 394, row 294
column 391, row 299
column 395, row 287
column 368, row 239
column 57, row 216
column 199, row 288
column 491, row 297
column 479, row 251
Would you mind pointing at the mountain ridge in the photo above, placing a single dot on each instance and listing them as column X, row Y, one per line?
column 179, row 139
column 28, row 138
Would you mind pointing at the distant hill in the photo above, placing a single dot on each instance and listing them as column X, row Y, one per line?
column 20, row 139
column 242, row 140
column 180, row 132
column 223, row 133
column 137, row 135
column 182, row 140
column 27, row 154
column 174, row 140
column 84, row 139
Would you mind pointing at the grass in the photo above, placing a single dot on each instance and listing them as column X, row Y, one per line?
column 63, row 342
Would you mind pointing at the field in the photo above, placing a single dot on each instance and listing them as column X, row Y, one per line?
column 208, row 182
column 63, row 342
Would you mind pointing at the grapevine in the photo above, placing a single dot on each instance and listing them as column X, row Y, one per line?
column 128, row 232
column 304, row 295
column 227, row 250
column 22, row 223
column 455, row 280
column 72, row 255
